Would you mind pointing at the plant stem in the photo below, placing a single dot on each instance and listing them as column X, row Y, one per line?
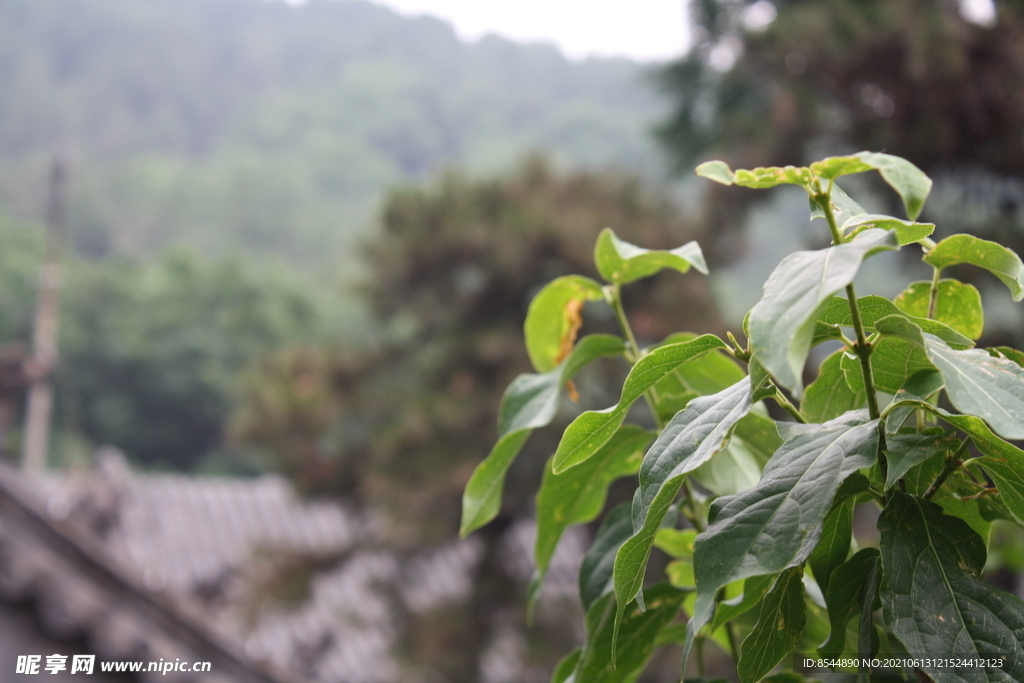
column 952, row 462
column 730, row 633
column 863, row 351
column 785, row 403
column 615, row 300
column 620, row 315
column 693, row 516
column 933, row 294
column 862, row 348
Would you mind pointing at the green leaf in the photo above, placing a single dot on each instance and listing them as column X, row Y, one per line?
column 564, row 670
column 829, row 396
column 782, row 323
column 621, row 262
column 867, row 633
column 907, row 232
column 977, row 382
column 910, row 182
column 956, row 304
column 1004, row 462
column 934, row 599
column 893, row 361
column 1010, row 354
column 595, row 577
column 718, row 171
column 702, row 376
column 845, row 598
column 833, row 167
column 982, row 385
column 956, row 499
column 754, row 589
column 759, row 178
column 834, row 545
column 919, row 387
column 677, row 543
column 875, row 308
column 736, row 468
column 779, row 625
column 905, row 451
column 531, row 401
column 578, row 494
column 680, row 574
column 688, row 441
column 852, row 219
column 592, row 429
column 553, row 317
column 993, row 257
column 599, row 662
column 759, row 435
column 777, row 524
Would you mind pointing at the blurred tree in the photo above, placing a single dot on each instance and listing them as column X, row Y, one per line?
column 452, row 271
column 150, row 355
column 772, row 84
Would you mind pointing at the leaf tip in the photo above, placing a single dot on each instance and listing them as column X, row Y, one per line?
column 717, row 171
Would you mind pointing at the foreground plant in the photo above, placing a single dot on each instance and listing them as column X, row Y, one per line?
column 757, row 514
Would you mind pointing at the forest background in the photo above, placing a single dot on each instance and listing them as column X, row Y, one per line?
column 303, row 239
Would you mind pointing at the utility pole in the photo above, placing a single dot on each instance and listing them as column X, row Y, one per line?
column 44, row 332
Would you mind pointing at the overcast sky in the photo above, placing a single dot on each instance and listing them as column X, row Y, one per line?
column 641, row 29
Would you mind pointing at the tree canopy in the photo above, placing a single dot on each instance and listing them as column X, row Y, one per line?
column 770, row 84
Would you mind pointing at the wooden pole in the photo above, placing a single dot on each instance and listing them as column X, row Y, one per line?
column 44, row 332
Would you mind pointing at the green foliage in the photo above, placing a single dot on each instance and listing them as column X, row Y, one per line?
column 933, row 597
column 745, row 551
column 592, row 429
column 530, row 402
column 621, row 262
column 906, row 76
column 151, row 355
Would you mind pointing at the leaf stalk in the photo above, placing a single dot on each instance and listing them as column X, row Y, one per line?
column 933, row 294
column 952, row 463
column 785, row 403
column 614, row 297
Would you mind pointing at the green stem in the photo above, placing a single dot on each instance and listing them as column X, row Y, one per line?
column 863, row 351
column 620, row 315
column 952, row 462
column 824, row 200
column 730, row 633
column 862, row 348
column 785, row 403
column 933, row 294
column 694, row 514
column 615, row 300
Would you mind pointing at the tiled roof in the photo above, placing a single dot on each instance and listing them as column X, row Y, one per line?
column 199, row 549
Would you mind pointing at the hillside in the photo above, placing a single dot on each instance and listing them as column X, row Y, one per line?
column 254, row 126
